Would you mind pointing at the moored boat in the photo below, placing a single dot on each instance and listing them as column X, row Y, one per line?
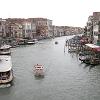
column 32, row 41
column 5, row 50
column 6, row 72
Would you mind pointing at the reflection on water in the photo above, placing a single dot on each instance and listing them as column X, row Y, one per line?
column 39, row 77
column 91, row 66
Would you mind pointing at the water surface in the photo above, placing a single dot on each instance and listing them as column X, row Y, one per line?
column 66, row 78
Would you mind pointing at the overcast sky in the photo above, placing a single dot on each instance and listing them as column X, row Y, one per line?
column 62, row 12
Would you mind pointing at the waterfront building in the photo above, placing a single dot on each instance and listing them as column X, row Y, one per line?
column 14, row 28
column 93, row 27
column 60, row 31
column 2, row 27
column 54, row 29
column 43, row 27
column 50, row 28
column 89, row 25
column 29, row 29
column 66, row 30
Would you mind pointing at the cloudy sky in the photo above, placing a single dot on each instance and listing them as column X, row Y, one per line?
column 62, row 12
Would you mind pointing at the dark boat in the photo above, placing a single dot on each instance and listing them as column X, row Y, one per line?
column 56, row 42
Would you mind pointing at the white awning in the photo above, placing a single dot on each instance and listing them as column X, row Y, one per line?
column 92, row 46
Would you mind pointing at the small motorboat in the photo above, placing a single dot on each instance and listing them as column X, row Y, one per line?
column 38, row 70
column 56, row 42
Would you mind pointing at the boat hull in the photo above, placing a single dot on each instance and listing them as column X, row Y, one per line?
column 39, row 74
column 5, row 53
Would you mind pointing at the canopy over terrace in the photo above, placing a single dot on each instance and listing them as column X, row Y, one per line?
column 93, row 47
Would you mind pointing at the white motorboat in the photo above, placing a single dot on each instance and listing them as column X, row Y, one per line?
column 38, row 70
column 6, row 72
column 32, row 41
column 5, row 50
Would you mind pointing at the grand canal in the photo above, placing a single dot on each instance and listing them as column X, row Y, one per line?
column 66, row 78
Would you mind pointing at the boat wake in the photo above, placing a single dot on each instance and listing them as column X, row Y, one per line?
column 5, row 85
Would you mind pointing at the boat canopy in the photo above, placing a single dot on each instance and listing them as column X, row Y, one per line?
column 93, row 46
column 5, row 63
column 5, row 47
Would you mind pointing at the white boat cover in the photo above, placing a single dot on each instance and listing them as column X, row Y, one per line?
column 5, row 47
column 5, row 63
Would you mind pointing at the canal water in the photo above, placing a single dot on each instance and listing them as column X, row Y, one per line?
column 66, row 78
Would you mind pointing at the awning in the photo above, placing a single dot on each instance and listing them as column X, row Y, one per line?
column 94, row 47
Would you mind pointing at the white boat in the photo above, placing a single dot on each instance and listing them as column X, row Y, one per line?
column 33, row 41
column 39, row 70
column 6, row 73
column 5, row 50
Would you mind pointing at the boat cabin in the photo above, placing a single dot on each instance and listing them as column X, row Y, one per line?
column 39, row 70
column 6, row 74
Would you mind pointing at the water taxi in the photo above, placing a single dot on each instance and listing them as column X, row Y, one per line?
column 39, row 70
column 5, row 50
column 6, row 73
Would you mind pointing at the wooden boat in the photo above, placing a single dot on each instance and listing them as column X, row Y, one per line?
column 6, row 72
column 22, row 41
column 38, row 70
column 5, row 50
